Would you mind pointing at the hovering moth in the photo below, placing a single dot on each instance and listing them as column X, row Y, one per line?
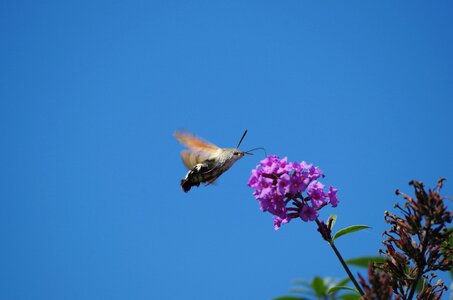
column 205, row 161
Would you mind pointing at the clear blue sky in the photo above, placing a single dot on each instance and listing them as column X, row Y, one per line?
column 92, row 91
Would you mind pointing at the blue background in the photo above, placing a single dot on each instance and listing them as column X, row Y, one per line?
column 92, row 91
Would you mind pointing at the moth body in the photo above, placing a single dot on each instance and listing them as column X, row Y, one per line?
column 205, row 161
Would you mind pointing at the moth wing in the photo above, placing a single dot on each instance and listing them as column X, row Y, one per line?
column 192, row 158
column 196, row 144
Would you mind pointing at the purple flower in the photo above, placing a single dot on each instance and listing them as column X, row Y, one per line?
column 279, row 221
column 315, row 173
column 284, row 166
column 278, row 207
column 264, row 202
column 308, row 213
column 332, row 195
column 298, row 183
column 253, row 180
column 297, row 167
column 284, row 184
column 289, row 190
column 316, row 192
column 306, row 166
column 265, row 186
column 270, row 164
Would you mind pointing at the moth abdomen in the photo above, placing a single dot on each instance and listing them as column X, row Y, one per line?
column 201, row 173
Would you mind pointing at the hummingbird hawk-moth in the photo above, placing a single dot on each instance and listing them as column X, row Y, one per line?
column 205, row 161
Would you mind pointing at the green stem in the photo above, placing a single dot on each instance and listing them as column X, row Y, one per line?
column 326, row 234
column 346, row 268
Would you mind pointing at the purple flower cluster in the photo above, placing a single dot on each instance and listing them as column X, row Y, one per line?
column 290, row 190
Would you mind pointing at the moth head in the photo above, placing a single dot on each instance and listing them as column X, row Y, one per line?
column 238, row 153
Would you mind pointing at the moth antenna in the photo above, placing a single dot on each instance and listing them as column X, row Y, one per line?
column 258, row 148
column 240, row 141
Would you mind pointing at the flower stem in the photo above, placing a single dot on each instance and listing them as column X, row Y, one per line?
column 327, row 235
column 346, row 268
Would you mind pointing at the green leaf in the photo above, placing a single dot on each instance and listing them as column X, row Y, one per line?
column 303, row 282
column 328, row 282
column 302, row 290
column 318, row 286
column 344, row 281
column 349, row 297
column 419, row 285
column 334, row 220
column 348, row 230
column 339, row 287
column 365, row 261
